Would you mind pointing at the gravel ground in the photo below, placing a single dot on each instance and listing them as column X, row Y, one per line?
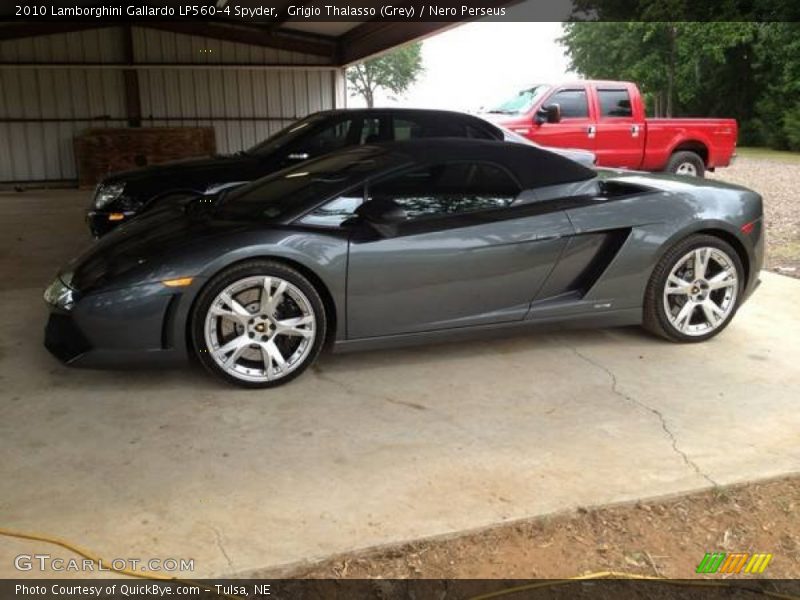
column 777, row 182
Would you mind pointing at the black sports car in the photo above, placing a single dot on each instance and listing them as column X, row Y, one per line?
column 121, row 196
column 405, row 242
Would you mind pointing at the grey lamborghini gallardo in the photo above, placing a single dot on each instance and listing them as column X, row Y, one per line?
column 406, row 242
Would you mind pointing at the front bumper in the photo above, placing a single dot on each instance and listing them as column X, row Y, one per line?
column 128, row 327
column 64, row 339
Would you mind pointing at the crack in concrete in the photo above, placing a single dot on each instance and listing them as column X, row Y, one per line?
column 662, row 419
column 352, row 390
column 221, row 547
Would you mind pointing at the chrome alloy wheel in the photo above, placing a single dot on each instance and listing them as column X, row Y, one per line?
column 701, row 291
column 260, row 328
column 686, row 168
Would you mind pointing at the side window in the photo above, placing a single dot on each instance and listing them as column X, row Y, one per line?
column 371, row 131
column 413, row 127
column 328, row 139
column 406, row 130
column 572, row 102
column 615, row 103
column 335, row 212
column 448, row 189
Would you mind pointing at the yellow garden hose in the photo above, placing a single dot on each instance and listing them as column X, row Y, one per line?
column 618, row 575
column 512, row 590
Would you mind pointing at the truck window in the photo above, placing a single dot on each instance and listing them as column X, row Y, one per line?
column 572, row 102
column 615, row 103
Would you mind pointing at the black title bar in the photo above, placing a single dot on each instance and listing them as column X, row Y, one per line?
column 274, row 13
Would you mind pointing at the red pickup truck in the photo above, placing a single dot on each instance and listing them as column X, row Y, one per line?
column 607, row 118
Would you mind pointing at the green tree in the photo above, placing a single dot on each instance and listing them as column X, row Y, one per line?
column 395, row 71
column 777, row 110
column 673, row 63
column 728, row 58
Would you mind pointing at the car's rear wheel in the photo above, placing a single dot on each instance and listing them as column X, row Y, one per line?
column 258, row 324
column 694, row 290
column 686, row 163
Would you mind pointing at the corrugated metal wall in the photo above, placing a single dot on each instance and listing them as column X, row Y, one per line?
column 42, row 109
column 242, row 97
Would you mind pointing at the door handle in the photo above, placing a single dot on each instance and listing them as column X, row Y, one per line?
column 591, row 130
column 634, row 131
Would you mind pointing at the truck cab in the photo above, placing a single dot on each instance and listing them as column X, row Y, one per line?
column 608, row 118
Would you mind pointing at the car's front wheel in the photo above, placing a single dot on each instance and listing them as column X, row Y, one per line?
column 694, row 290
column 258, row 324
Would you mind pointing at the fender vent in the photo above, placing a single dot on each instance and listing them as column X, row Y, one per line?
column 168, row 323
column 609, row 248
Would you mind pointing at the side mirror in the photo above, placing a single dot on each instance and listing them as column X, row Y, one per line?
column 549, row 114
column 382, row 211
column 383, row 214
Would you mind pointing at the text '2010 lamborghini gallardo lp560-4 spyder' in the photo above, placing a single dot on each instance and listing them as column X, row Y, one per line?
column 406, row 242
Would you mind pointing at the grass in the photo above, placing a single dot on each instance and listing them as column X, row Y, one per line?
column 751, row 152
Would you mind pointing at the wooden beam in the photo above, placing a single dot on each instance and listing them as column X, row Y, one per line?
column 133, row 103
column 27, row 29
column 305, row 43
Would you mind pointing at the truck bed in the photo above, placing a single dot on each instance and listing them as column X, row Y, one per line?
column 716, row 137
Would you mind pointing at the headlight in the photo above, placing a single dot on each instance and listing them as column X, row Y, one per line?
column 106, row 194
column 59, row 293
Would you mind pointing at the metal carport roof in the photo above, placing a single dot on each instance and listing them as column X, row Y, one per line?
column 337, row 42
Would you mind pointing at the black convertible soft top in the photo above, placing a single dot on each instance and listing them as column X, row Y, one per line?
column 532, row 166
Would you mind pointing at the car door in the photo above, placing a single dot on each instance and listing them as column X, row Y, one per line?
column 465, row 254
column 620, row 135
column 576, row 128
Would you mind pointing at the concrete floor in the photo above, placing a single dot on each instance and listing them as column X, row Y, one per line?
column 369, row 449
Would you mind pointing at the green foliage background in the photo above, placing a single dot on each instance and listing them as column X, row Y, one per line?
column 746, row 70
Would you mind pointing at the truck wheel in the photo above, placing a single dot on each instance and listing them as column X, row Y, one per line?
column 686, row 163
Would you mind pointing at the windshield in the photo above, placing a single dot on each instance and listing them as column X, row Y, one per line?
column 291, row 190
column 285, row 135
column 522, row 102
